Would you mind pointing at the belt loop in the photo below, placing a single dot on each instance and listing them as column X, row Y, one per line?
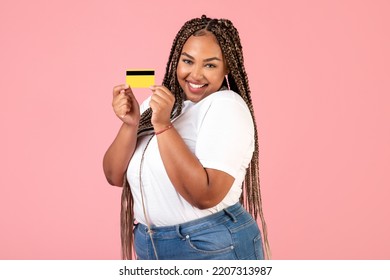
column 230, row 215
column 178, row 231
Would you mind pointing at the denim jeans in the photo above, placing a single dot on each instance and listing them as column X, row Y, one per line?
column 231, row 234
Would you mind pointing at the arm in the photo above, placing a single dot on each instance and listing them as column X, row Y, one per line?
column 201, row 187
column 118, row 155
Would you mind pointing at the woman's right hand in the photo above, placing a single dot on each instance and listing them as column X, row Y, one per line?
column 125, row 105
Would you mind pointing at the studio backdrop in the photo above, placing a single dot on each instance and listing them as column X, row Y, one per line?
column 319, row 76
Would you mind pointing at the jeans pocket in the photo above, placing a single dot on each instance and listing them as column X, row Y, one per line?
column 247, row 239
column 217, row 239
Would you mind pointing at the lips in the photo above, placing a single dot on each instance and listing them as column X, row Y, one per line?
column 196, row 86
column 195, row 90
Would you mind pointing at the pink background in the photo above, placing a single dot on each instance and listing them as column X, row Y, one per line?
column 319, row 73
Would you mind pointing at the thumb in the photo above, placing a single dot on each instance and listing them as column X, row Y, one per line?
column 117, row 89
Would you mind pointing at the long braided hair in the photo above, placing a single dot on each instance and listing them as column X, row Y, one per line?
column 237, row 79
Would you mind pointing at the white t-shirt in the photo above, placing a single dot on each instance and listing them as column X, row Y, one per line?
column 219, row 130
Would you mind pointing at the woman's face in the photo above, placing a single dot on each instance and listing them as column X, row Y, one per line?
column 201, row 68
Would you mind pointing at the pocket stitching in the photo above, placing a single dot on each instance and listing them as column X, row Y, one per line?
column 219, row 251
column 258, row 252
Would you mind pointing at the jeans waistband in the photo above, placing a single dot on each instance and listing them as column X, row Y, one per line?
column 229, row 213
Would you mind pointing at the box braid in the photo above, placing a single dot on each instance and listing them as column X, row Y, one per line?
column 237, row 80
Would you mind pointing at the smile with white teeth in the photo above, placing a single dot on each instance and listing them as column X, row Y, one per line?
column 196, row 86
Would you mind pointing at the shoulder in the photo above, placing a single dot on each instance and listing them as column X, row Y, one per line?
column 225, row 101
column 225, row 110
column 225, row 95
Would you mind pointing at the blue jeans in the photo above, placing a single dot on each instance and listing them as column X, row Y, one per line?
column 231, row 234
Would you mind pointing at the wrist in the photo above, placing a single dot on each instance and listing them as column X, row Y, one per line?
column 132, row 127
column 162, row 128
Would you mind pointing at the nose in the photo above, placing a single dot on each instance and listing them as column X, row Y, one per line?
column 197, row 73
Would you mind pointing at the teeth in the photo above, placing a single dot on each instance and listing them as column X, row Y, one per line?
column 196, row 86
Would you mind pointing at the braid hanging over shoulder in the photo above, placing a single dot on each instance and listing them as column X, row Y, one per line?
column 237, row 79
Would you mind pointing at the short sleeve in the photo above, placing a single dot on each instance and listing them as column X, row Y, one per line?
column 226, row 136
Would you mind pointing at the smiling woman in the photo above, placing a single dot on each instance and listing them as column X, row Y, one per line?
column 185, row 154
column 201, row 69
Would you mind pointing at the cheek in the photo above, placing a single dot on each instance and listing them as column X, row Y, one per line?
column 181, row 71
column 180, row 76
column 218, row 78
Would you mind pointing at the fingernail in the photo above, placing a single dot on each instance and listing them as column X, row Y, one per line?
column 122, row 91
column 126, row 86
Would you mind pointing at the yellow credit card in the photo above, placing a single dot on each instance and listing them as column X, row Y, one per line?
column 140, row 78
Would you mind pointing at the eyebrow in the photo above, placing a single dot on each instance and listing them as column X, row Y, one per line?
column 205, row 60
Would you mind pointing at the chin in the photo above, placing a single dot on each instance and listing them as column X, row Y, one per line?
column 194, row 99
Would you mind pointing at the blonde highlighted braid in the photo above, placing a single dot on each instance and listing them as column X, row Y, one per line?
column 237, row 79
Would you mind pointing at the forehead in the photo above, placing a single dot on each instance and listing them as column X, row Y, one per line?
column 203, row 45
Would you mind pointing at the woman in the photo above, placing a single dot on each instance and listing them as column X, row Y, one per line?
column 184, row 155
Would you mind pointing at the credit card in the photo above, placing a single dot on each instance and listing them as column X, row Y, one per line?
column 140, row 78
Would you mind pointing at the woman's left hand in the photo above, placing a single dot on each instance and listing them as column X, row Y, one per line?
column 161, row 103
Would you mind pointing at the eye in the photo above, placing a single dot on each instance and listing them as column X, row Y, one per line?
column 210, row 65
column 187, row 61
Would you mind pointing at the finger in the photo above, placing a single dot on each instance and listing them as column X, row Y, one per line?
column 121, row 97
column 123, row 110
column 163, row 92
column 159, row 100
column 162, row 88
column 121, row 100
column 129, row 92
column 117, row 89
